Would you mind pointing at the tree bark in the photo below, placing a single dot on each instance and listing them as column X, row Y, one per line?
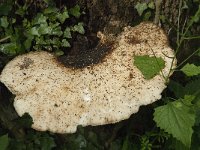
column 111, row 16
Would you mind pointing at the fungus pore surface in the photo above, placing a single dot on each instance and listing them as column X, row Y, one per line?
column 60, row 98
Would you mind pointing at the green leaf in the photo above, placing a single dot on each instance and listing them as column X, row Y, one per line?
column 177, row 88
column 40, row 19
column 54, row 25
column 4, row 141
column 147, row 16
column 50, row 10
column 151, row 5
column 15, row 144
column 28, row 42
column 8, row 48
column 23, row 122
column 20, row 11
column 47, row 143
column 192, row 88
column 34, row 31
column 75, row 11
column 177, row 145
column 141, row 7
column 41, row 41
column 65, row 43
column 44, row 29
column 93, row 139
column 5, row 9
column 116, row 145
column 149, row 66
column 4, row 22
column 67, row 33
column 55, row 41
column 185, row 5
column 125, row 144
column 79, row 28
column 77, row 142
column 63, row 16
column 177, row 118
column 59, row 52
column 191, row 70
column 57, row 31
column 50, row 3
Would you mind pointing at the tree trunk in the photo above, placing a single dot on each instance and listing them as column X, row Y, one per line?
column 110, row 16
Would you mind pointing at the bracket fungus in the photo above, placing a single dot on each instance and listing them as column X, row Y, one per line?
column 60, row 98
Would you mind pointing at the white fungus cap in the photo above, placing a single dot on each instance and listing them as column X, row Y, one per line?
column 60, row 98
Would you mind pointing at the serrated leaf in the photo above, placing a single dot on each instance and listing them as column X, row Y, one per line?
column 149, row 66
column 77, row 142
column 63, row 16
column 59, row 53
column 4, row 22
column 93, row 138
column 151, row 5
column 55, row 42
column 54, row 25
column 4, row 141
column 79, row 28
column 5, row 9
column 125, row 145
column 177, row 88
column 50, row 10
column 57, row 31
column 40, row 19
column 191, row 70
column 23, row 122
column 20, row 11
column 147, row 15
column 177, row 119
column 75, row 11
column 41, row 41
column 34, row 31
column 67, row 33
column 65, row 43
column 192, row 88
column 47, row 143
column 141, row 7
column 44, row 29
column 28, row 42
column 16, row 145
column 8, row 48
column 177, row 145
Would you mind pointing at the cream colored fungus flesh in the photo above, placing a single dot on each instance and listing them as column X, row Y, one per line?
column 60, row 98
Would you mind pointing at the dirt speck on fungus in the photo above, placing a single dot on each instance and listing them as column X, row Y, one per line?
column 26, row 63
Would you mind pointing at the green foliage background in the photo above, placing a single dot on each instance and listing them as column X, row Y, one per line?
column 171, row 123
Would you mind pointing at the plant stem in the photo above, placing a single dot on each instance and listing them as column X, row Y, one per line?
column 4, row 39
column 190, row 38
column 187, row 58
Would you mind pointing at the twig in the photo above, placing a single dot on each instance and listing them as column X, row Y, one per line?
column 187, row 58
column 157, row 13
column 4, row 39
column 190, row 38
